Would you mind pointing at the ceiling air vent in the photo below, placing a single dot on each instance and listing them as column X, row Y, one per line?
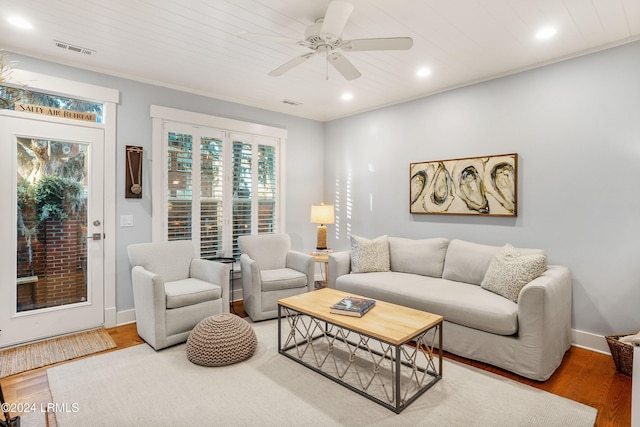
column 290, row 102
column 74, row 48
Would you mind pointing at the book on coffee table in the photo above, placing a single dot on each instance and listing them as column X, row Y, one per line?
column 352, row 306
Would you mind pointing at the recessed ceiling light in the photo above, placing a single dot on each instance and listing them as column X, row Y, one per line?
column 423, row 72
column 347, row 96
column 19, row 22
column 546, row 33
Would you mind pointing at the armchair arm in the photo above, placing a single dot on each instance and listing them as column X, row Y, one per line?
column 251, row 285
column 304, row 264
column 212, row 272
column 150, row 305
column 339, row 264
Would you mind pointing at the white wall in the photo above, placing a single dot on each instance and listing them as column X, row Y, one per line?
column 304, row 151
column 576, row 128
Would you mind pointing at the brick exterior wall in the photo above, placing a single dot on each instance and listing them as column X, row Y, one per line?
column 58, row 262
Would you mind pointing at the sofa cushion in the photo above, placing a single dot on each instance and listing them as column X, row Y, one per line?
column 467, row 262
column 460, row 303
column 282, row 278
column 369, row 255
column 181, row 293
column 509, row 271
column 418, row 256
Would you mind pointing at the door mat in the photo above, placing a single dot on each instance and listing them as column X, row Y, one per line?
column 43, row 353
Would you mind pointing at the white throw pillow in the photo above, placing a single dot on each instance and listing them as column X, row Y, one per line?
column 369, row 256
column 509, row 271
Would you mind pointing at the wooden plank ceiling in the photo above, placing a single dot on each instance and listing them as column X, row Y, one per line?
column 192, row 44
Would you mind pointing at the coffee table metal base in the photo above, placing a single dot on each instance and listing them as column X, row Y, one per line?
column 391, row 375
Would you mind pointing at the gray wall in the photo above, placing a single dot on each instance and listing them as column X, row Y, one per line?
column 576, row 128
column 304, row 151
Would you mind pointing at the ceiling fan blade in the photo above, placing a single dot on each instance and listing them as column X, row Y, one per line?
column 267, row 38
column 336, row 18
column 344, row 67
column 391, row 43
column 291, row 64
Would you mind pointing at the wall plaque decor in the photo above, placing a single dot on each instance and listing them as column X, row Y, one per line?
column 133, row 178
column 469, row 186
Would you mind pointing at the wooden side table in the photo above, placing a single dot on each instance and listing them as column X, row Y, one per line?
column 324, row 259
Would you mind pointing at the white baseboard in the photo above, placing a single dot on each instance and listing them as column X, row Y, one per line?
column 589, row 341
column 110, row 317
column 126, row 316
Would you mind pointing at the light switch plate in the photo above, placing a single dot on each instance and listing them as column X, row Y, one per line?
column 126, row 220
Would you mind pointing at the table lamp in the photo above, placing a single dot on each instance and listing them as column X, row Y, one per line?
column 322, row 214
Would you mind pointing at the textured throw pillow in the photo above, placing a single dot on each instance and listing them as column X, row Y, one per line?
column 368, row 256
column 509, row 271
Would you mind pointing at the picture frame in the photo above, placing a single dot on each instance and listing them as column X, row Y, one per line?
column 486, row 185
column 133, row 172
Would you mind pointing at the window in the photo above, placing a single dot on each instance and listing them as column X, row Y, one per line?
column 219, row 184
column 9, row 96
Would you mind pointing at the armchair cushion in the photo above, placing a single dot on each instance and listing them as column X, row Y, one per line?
column 282, row 278
column 181, row 293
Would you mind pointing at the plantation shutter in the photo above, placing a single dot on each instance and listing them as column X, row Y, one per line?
column 219, row 186
column 211, row 195
column 179, row 182
column 242, row 188
column 267, row 193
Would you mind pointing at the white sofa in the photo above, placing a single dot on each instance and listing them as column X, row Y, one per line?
column 528, row 337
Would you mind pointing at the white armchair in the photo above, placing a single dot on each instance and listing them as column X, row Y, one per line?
column 173, row 290
column 271, row 271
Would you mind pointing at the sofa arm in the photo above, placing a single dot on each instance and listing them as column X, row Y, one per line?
column 303, row 263
column 544, row 311
column 339, row 264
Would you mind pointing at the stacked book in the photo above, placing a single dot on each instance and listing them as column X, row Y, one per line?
column 353, row 306
column 322, row 252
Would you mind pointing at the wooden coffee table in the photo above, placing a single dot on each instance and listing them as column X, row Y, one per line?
column 375, row 355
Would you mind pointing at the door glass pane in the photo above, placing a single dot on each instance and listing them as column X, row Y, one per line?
column 52, row 197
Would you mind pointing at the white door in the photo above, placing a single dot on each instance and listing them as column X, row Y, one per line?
column 51, row 256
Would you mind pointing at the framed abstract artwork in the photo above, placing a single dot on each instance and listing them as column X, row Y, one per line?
column 469, row 186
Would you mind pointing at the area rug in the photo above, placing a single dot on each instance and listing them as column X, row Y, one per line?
column 33, row 419
column 43, row 353
column 139, row 386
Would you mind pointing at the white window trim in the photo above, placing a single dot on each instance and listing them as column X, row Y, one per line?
column 109, row 98
column 160, row 115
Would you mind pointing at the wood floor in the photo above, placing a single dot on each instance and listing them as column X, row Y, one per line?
column 584, row 376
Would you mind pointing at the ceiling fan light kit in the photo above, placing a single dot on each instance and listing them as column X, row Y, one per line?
column 325, row 37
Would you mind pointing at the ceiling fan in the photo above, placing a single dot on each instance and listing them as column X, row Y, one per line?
column 324, row 37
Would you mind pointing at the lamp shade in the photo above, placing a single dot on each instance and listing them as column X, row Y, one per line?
column 322, row 214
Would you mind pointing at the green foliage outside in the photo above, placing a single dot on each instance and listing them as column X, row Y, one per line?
column 51, row 197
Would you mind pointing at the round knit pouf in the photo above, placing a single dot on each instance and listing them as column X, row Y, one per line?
column 221, row 339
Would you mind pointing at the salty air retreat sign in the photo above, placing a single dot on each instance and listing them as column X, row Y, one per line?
column 55, row 112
